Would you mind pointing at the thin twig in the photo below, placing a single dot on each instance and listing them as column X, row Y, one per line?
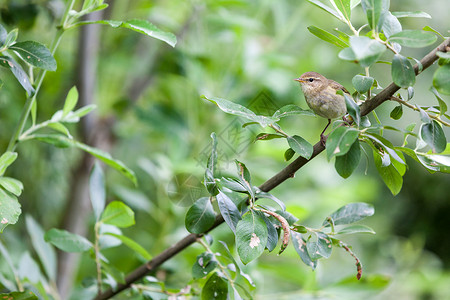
column 414, row 107
column 270, row 184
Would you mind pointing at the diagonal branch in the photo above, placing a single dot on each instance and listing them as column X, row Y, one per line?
column 277, row 179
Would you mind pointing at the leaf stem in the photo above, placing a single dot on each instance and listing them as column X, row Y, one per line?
column 279, row 130
column 284, row 225
column 39, row 79
column 97, row 257
column 386, row 44
column 221, row 267
column 414, row 107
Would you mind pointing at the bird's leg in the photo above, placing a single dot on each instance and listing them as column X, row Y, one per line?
column 322, row 137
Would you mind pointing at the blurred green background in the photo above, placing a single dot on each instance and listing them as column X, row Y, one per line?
column 151, row 111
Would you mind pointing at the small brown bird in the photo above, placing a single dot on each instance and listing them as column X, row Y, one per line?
column 321, row 96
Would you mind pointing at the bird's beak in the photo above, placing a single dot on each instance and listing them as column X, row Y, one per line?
column 299, row 79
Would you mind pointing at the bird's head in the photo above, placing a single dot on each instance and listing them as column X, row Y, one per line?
column 312, row 81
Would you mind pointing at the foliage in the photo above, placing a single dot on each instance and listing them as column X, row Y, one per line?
column 152, row 141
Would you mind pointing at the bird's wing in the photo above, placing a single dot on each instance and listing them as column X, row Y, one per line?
column 338, row 86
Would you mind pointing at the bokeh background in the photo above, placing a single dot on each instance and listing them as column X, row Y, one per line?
column 151, row 116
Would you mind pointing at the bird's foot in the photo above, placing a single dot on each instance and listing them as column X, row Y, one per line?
column 347, row 120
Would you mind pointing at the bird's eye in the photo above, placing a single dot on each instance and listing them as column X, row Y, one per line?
column 311, row 79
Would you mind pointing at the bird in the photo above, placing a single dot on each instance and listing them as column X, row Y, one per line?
column 322, row 97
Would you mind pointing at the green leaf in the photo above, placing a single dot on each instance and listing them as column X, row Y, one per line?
column 402, row 71
column 11, row 37
column 362, row 84
column 112, row 273
column 67, row 241
column 347, row 54
column 25, row 295
column 45, row 251
column 428, row 28
column 325, row 8
column 440, row 163
column 229, row 211
column 321, row 248
column 97, row 192
column 424, row 117
column 216, row 288
column 290, row 218
column 344, row 7
column 245, row 179
column 389, row 174
column 301, row 146
column 272, row 233
column 28, row 269
column 142, row 26
column 118, row 214
column 342, row 35
column 353, row 109
column 355, row 229
column 232, row 184
column 251, row 237
column 71, row 101
column 288, row 154
column 410, row 91
column 415, row 156
column 6, row 160
column 375, row 11
column 434, row 136
column 291, row 110
column 413, row 38
column 397, row 112
column 131, row 244
column 9, row 209
column 62, row 141
column 340, row 141
column 81, row 112
column 391, row 25
column 106, row 241
column 431, row 164
column 3, row 35
column 441, row 79
column 60, row 128
column 347, row 163
column 204, row 264
column 107, row 159
column 19, row 73
column 327, row 37
column 411, row 14
column 200, row 216
column 35, row 54
column 387, row 146
column 350, row 213
column 365, row 122
column 442, row 105
column 300, row 246
column 261, row 194
column 208, row 179
column 241, row 111
column 401, row 167
column 12, row 185
column 212, row 160
column 363, row 50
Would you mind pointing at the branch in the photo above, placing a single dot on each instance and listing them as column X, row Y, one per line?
column 277, row 179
